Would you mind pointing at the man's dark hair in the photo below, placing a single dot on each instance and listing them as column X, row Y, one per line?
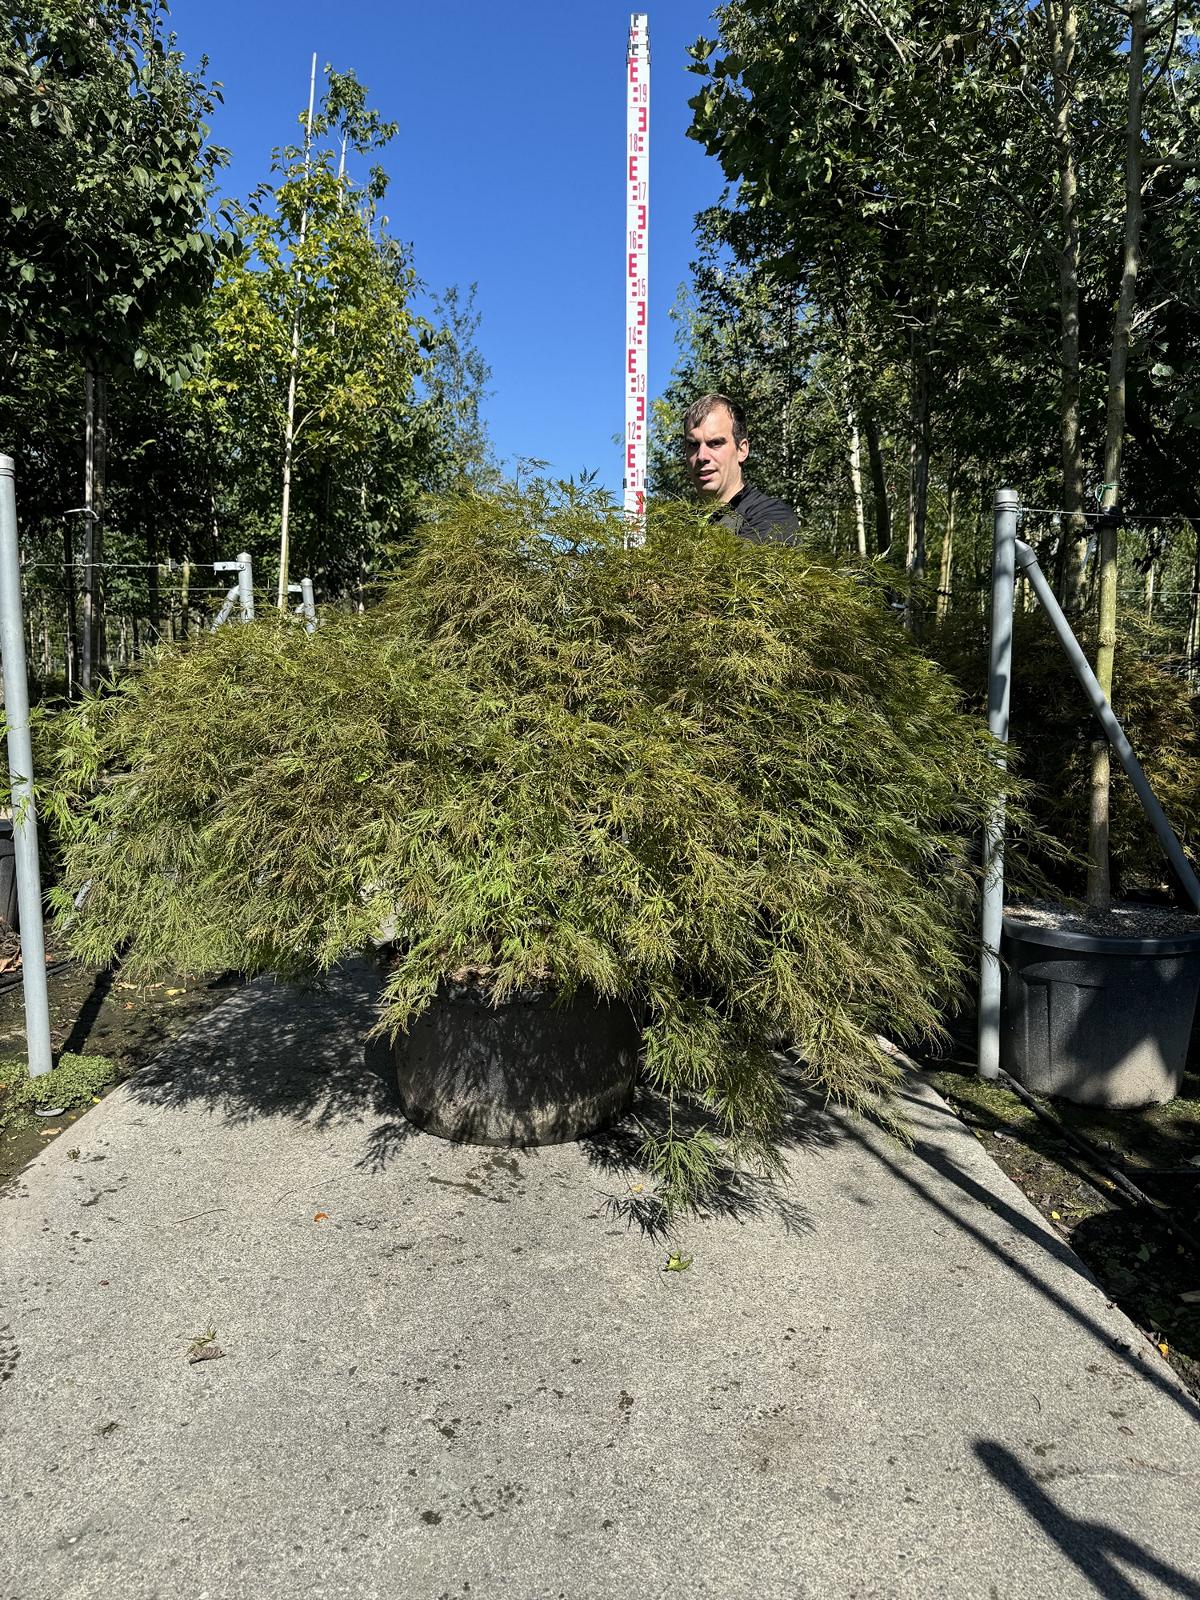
column 699, row 409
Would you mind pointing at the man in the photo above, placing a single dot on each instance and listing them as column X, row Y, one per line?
column 715, row 446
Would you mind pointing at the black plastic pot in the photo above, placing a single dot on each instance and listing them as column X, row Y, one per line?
column 1101, row 1021
column 530, row 1071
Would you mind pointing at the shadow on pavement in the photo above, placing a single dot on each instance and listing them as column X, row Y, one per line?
column 276, row 1050
column 938, row 1162
column 306, row 1053
column 1092, row 1546
column 737, row 1194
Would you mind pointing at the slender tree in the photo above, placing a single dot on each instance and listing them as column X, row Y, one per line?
column 105, row 159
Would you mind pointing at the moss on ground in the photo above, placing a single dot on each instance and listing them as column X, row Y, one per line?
column 74, row 1081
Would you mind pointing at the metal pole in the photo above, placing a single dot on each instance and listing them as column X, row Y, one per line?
column 308, row 605
column 20, row 768
column 226, row 610
column 1005, row 508
column 245, row 571
column 1028, row 563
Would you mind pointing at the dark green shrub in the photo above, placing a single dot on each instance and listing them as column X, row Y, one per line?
column 711, row 777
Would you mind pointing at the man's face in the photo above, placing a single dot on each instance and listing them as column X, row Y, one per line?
column 714, row 462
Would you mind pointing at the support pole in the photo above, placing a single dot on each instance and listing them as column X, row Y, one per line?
column 308, row 605
column 20, row 768
column 1027, row 561
column 242, row 593
column 245, row 572
column 1005, row 508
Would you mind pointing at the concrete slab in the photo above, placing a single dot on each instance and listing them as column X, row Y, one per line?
column 449, row 1371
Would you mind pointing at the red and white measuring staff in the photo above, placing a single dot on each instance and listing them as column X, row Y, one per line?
column 637, row 209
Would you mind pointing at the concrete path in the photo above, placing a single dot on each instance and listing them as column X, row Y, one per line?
column 449, row 1372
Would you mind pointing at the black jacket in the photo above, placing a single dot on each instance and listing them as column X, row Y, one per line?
column 759, row 517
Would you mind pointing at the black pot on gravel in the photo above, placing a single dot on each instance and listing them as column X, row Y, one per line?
column 1100, row 1019
column 533, row 1070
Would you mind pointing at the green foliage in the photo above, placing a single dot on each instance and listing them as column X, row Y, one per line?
column 314, row 354
column 1052, row 730
column 71, row 1083
column 712, row 778
column 455, row 386
column 900, row 166
column 106, row 172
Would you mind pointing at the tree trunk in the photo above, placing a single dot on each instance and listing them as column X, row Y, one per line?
column 918, row 456
column 1072, row 550
column 89, row 518
column 879, row 488
column 946, row 564
column 71, row 641
column 1192, row 648
column 918, row 486
column 97, row 522
column 289, row 437
column 154, row 595
column 286, row 508
column 1099, row 891
column 856, row 486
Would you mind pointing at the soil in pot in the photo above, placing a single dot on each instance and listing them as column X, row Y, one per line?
column 533, row 1070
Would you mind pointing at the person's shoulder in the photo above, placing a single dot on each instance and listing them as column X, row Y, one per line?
column 766, row 516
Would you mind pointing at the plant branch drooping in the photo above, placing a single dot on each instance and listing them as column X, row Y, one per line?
column 712, row 779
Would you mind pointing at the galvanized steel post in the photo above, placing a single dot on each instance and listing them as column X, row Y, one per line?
column 308, row 605
column 1005, row 509
column 20, row 768
column 245, row 572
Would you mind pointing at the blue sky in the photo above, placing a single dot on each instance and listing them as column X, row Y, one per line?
column 507, row 171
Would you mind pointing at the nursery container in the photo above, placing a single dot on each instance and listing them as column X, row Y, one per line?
column 1101, row 1020
column 533, row 1070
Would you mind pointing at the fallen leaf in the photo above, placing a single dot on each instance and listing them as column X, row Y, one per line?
column 677, row 1262
column 1164, row 1348
column 1191, row 1297
column 204, row 1347
column 321, row 1216
column 206, row 1352
column 175, row 991
column 1056, row 1216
